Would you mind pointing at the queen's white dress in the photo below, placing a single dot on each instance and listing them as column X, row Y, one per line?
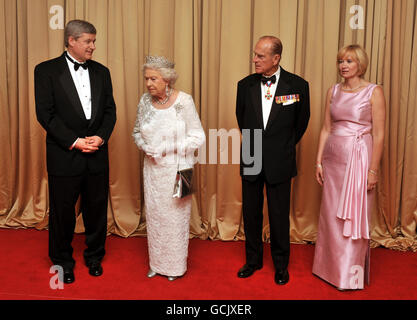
column 174, row 133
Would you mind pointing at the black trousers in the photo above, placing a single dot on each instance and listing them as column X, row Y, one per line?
column 63, row 195
column 278, row 197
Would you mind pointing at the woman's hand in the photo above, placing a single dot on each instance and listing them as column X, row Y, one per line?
column 372, row 180
column 319, row 174
column 150, row 151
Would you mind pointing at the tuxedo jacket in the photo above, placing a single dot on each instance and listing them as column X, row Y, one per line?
column 285, row 127
column 59, row 111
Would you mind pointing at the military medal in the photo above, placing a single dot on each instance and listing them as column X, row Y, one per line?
column 268, row 94
column 287, row 99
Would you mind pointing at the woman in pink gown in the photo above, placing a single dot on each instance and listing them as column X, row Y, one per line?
column 348, row 157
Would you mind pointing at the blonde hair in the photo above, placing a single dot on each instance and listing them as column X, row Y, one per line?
column 358, row 54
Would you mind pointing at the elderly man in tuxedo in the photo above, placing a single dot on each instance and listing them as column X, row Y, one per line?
column 75, row 105
column 273, row 108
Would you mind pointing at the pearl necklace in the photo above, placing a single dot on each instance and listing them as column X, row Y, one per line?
column 166, row 98
column 353, row 89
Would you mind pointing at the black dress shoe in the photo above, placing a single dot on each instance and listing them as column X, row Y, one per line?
column 282, row 276
column 95, row 269
column 247, row 271
column 68, row 276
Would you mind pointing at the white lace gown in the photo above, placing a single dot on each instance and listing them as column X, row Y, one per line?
column 167, row 218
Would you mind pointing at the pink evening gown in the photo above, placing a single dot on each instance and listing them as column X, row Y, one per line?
column 342, row 248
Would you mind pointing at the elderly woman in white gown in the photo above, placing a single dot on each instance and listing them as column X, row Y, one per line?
column 168, row 130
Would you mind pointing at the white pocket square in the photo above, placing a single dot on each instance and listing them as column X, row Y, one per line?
column 288, row 102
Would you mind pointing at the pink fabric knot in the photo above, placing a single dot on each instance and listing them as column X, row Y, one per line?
column 352, row 206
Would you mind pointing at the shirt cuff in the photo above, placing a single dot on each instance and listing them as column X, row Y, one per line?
column 73, row 145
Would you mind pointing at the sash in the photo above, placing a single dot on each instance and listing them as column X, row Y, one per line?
column 353, row 204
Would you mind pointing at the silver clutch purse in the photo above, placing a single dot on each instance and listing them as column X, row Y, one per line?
column 183, row 183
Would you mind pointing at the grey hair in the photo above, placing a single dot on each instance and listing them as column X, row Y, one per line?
column 75, row 28
column 163, row 66
column 276, row 44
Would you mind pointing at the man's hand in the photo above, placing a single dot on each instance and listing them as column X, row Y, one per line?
column 84, row 146
column 95, row 141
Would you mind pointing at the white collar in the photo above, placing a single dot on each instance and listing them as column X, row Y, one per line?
column 69, row 54
column 276, row 74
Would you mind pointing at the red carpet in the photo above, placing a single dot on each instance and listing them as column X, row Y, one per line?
column 212, row 267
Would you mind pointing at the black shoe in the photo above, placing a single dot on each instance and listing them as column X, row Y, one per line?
column 282, row 276
column 68, row 276
column 95, row 269
column 247, row 271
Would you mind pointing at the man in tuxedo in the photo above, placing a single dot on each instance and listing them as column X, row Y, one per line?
column 75, row 105
column 274, row 104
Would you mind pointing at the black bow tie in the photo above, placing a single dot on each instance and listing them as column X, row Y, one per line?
column 273, row 79
column 76, row 64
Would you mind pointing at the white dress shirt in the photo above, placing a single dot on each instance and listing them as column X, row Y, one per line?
column 81, row 79
column 267, row 104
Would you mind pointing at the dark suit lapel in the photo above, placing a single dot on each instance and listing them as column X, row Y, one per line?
column 255, row 93
column 282, row 89
column 95, row 92
column 69, row 87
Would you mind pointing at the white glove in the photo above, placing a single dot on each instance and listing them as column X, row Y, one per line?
column 156, row 152
column 150, row 150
